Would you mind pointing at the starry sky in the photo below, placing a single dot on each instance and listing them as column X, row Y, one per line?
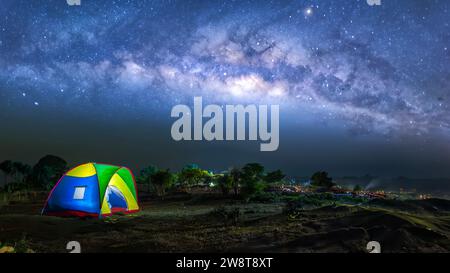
column 362, row 89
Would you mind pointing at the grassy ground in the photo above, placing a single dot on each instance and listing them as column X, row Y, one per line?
column 215, row 224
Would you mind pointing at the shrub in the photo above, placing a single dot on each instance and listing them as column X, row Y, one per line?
column 265, row 197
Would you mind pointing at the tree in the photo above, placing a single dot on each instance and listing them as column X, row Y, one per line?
column 145, row 176
column 225, row 183
column 235, row 175
column 357, row 188
column 192, row 175
column 6, row 168
column 48, row 170
column 21, row 171
column 252, row 179
column 321, row 179
column 255, row 170
column 162, row 180
column 274, row 176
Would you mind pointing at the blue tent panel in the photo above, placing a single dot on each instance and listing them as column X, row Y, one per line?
column 76, row 194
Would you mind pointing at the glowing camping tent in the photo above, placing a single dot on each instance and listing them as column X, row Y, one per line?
column 93, row 190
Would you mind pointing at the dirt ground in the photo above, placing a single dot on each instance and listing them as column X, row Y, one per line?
column 228, row 226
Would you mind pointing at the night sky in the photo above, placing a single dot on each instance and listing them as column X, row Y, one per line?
column 362, row 89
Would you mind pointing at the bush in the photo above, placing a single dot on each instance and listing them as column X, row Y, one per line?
column 315, row 200
column 265, row 197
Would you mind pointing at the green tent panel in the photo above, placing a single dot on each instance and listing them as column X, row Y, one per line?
column 104, row 174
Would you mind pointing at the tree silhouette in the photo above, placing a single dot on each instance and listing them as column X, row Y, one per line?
column 6, row 167
column 145, row 176
column 321, row 179
column 274, row 176
column 21, row 170
column 162, row 180
column 191, row 175
column 48, row 170
column 225, row 183
column 252, row 179
column 253, row 170
column 235, row 175
column 357, row 188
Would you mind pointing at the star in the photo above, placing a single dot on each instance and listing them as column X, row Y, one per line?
column 308, row 11
column 361, row 67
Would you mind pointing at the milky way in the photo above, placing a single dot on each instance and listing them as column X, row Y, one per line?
column 380, row 71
